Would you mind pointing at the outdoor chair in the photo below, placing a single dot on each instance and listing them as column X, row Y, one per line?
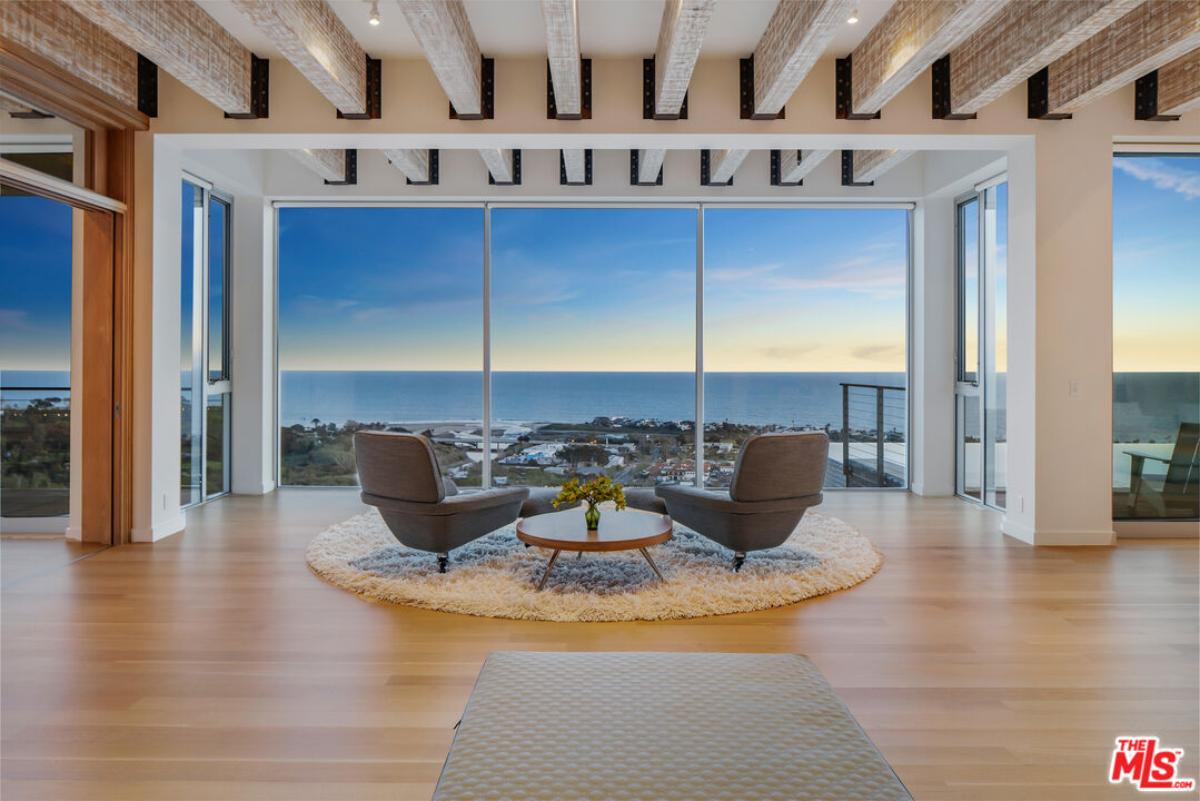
column 1177, row 494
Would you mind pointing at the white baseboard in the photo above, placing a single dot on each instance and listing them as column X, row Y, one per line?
column 75, row 533
column 1033, row 536
column 264, row 488
column 160, row 530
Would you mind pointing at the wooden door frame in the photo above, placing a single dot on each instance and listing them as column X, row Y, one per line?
column 107, row 220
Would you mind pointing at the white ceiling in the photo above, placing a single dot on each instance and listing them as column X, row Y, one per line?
column 506, row 28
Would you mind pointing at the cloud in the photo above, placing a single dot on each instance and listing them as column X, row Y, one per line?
column 14, row 320
column 878, row 353
column 739, row 273
column 862, row 274
column 1162, row 174
column 786, row 352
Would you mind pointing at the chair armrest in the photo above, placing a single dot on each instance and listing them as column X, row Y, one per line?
column 463, row 503
column 484, row 499
column 719, row 500
column 1144, row 455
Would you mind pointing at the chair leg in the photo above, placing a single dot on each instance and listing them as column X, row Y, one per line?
column 739, row 559
column 443, row 560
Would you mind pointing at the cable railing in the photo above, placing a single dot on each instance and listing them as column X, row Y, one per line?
column 35, row 450
column 874, row 421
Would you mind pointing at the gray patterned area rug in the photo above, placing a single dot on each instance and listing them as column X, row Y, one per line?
column 660, row 727
column 496, row 576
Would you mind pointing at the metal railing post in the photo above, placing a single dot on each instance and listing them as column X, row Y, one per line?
column 880, row 475
column 846, row 431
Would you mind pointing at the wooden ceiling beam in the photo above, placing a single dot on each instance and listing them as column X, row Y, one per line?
column 795, row 165
column 870, row 165
column 413, row 162
column 1151, row 36
column 444, row 33
column 67, row 65
column 332, row 165
column 1021, row 39
column 502, row 165
column 796, row 37
column 561, row 18
column 910, row 37
column 310, row 35
column 184, row 40
column 722, row 164
column 680, row 35
column 574, row 162
column 1179, row 85
column 650, row 165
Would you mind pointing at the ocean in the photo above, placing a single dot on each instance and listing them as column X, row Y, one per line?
column 528, row 397
column 1147, row 406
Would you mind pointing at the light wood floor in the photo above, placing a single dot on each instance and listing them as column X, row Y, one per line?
column 214, row 665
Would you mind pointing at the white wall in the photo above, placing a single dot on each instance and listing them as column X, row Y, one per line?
column 156, row 293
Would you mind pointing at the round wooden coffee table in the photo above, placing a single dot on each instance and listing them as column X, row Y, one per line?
column 619, row 531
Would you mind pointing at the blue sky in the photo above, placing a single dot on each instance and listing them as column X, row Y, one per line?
column 614, row 289
column 593, row 289
column 1156, row 263
column 35, row 284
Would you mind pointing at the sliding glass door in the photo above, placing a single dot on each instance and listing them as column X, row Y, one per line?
column 205, row 383
column 982, row 344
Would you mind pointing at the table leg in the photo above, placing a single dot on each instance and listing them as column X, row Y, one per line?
column 549, row 567
column 653, row 566
column 578, row 555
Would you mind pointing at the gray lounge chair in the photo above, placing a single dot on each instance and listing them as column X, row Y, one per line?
column 776, row 478
column 399, row 475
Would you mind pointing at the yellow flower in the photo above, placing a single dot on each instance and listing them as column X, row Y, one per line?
column 599, row 489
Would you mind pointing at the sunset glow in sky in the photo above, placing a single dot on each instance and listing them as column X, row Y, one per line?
column 614, row 289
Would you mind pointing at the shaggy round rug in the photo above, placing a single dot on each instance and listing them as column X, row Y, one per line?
column 496, row 575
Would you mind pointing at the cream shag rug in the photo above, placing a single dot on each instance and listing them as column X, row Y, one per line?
column 496, row 575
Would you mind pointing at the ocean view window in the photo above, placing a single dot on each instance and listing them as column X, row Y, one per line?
column 35, row 355
column 380, row 327
column 592, row 338
column 805, row 328
column 593, row 344
column 981, row 417
column 1156, row 336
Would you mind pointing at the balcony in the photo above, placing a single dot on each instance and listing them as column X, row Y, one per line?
column 35, row 440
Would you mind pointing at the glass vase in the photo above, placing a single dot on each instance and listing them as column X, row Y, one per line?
column 592, row 517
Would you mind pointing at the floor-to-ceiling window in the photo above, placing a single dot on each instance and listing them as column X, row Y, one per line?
column 981, row 352
column 593, row 344
column 35, row 355
column 204, row 365
column 380, row 327
column 805, row 328
column 590, row 359
column 1156, row 336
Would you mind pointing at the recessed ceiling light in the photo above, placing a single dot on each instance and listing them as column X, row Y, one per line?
column 853, row 18
column 374, row 18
